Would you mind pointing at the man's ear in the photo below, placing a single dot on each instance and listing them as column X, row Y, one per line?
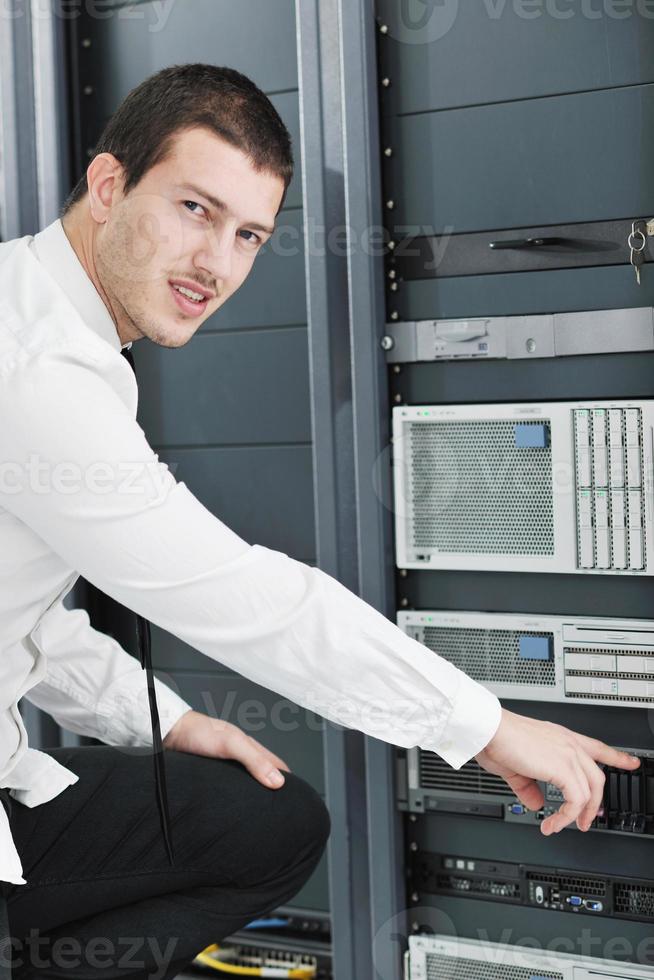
column 105, row 179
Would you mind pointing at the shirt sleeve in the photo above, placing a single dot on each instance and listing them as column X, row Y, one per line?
column 86, row 480
column 93, row 687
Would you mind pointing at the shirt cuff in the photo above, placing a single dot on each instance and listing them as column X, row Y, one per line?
column 472, row 723
column 128, row 723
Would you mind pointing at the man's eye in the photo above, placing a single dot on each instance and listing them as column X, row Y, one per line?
column 255, row 238
column 193, row 204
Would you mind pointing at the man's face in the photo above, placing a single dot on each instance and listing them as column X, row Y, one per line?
column 194, row 224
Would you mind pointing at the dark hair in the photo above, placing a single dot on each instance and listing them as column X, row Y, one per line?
column 141, row 131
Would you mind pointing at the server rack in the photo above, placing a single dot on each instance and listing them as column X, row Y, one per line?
column 501, row 275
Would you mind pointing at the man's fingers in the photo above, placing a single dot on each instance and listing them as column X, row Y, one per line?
column 527, row 791
column 596, row 780
column 607, row 754
column 573, row 783
column 275, row 760
column 257, row 760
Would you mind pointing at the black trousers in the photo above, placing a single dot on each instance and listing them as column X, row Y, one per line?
column 102, row 899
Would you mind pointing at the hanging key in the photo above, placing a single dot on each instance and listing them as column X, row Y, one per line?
column 637, row 243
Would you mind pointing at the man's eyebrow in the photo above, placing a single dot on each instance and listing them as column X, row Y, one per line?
column 221, row 206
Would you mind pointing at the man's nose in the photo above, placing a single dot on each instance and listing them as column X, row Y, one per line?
column 216, row 255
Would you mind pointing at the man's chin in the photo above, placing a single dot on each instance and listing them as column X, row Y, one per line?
column 173, row 337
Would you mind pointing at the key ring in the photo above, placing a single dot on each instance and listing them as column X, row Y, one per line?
column 632, row 236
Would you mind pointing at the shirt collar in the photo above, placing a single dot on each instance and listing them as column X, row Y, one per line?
column 58, row 256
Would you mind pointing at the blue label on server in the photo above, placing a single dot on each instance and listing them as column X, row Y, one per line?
column 531, row 436
column 535, row 648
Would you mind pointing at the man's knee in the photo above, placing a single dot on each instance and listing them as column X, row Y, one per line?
column 302, row 817
column 234, row 819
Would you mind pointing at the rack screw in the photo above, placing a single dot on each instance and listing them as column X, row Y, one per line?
column 398, row 399
column 413, row 846
column 86, row 42
column 392, row 273
column 387, row 343
column 394, row 287
column 388, row 152
column 390, row 205
column 88, row 90
column 415, row 897
column 395, row 315
column 405, row 602
column 403, row 574
column 383, row 28
column 386, row 82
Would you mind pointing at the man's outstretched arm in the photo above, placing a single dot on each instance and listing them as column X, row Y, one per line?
column 145, row 540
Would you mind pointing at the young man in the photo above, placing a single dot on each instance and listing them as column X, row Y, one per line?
column 165, row 226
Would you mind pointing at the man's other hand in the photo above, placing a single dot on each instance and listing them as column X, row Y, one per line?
column 200, row 735
column 524, row 750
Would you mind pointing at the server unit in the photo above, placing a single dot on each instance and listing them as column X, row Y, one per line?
column 434, row 787
column 443, row 958
column 545, row 658
column 531, row 487
column 536, row 886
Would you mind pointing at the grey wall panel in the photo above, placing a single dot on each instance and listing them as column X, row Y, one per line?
column 553, row 291
column 237, row 388
column 287, row 105
column 543, row 161
column 455, row 54
column 221, row 478
column 257, row 39
column 171, row 654
column 274, row 293
column 132, row 42
column 285, row 728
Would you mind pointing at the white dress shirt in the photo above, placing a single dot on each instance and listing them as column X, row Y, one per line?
column 82, row 492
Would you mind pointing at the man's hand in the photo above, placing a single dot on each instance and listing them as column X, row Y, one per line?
column 524, row 750
column 200, row 735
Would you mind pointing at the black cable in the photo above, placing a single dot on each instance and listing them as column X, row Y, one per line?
column 143, row 636
column 143, row 633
